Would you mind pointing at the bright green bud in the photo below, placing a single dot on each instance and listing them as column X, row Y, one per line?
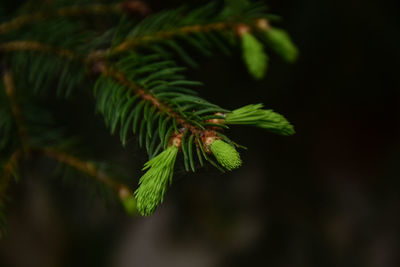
column 153, row 184
column 279, row 40
column 226, row 155
column 254, row 56
column 263, row 118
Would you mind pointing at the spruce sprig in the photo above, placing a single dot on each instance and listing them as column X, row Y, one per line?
column 153, row 184
column 263, row 118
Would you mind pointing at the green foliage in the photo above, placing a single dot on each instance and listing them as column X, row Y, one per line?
column 38, row 123
column 163, row 82
column 226, row 155
column 138, row 86
column 254, row 56
column 168, row 33
column 180, row 32
column 45, row 72
column 280, row 41
column 256, row 116
column 153, row 184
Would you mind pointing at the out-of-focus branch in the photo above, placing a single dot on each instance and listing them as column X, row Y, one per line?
column 88, row 168
column 16, row 109
column 122, row 190
column 161, row 35
column 130, row 7
column 36, row 46
column 95, row 9
column 132, row 42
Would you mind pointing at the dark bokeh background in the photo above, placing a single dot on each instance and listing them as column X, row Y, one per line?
column 328, row 196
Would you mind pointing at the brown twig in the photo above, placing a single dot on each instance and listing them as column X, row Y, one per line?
column 16, row 110
column 131, row 7
column 37, row 46
column 135, row 41
column 88, row 168
column 9, row 168
column 94, row 9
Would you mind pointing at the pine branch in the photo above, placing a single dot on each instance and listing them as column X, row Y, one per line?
column 133, row 42
column 10, row 89
column 204, row 30
column 93, row 60
column 225, row 26
column 122, row 190
column 139, row 88
column 20, row 46
column 9, row 170
column 83, row 166
column 145, row 95
column 73, row 11
column 68, row 66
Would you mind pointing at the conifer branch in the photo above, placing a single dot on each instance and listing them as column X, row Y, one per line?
column 94, row 60
column 73, row 11
column 19, row 46
column 162, row 35
column 162, row 107
column 10, row 89
column 133, row 42
column 99, row 66
column 142, row 90
column 86, row 167
column 123, row 191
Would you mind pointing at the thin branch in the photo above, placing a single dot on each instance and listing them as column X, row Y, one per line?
column 16, row 46
column 16, row 109
column 7, row 174
column 136, row 41
column 94, row 9
column 88, row 168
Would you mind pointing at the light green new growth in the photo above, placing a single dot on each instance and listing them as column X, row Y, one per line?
column 279, row 40
column 153, row 184
column 254, row 56
column 263, row 118
column 226, row 155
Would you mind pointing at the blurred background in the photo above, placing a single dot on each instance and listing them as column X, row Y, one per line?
column 328, row 196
